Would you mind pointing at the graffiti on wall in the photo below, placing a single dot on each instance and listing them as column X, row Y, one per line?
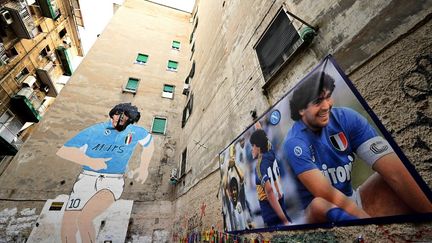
column 103, row 150
column 187, row 226
column 417, row 85
column 190, row 227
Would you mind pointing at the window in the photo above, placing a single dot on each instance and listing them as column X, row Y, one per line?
column 195, row 14
column 62, row 33
column 186, row 86
column 278, row 43
column 131, row 85
column 9, row 127
column 11, row 53
column 172, row 66
column 193, row 31
column 21, row 74
column 192, row 51
column 188, row 79
column 141, row 58
column 192, row 71
column 44, row 52
column 176, row 45
column 187, row 111
column 168, row 91
column 183, row 162
column 159, row 125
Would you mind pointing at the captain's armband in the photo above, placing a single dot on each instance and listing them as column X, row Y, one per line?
column 373, row 149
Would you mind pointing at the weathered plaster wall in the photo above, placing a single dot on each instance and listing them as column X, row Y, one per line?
column 228, row 81
column 150, row 221
column 397, row 85
column 198, row 210
column 383, row 46
column 17, row 219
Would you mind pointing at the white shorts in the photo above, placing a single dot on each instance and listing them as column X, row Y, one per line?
column 89, row 183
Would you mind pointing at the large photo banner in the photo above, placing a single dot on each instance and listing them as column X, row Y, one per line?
column 318, row 157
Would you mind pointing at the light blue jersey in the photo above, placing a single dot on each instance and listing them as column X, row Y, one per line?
column 331, row 151
column 102, row 140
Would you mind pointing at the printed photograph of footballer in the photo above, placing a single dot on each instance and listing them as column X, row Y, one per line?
column 320, row 156
column 234, row 186
column 267, row 180
column 103, row 150
column 321, row 148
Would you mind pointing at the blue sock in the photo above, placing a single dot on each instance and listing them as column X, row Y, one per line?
column 338, row 214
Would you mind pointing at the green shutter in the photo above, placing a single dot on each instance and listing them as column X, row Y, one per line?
column 172, row 64
column 176, row 44
column 168, row 88
column 132, row 84
column 142, row 58
column 159, row 125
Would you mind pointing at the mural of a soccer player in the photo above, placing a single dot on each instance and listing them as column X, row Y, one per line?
column 103, row 150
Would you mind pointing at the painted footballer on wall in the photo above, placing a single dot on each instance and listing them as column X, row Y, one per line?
column 104, row 151
column 318, row 156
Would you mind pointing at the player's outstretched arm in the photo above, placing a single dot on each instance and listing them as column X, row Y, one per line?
column 146, row 155
column 232, row 164
column 78, row 156
column 274, row 202
column 319, row 186
column 395, row 174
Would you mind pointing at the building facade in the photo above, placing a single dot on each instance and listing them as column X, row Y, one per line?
column 142, row 58
column 200, row 79
column 379, row 47
column 38, row 43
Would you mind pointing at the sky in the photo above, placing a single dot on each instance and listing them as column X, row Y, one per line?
column 96, row 21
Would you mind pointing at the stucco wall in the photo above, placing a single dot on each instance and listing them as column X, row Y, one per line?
column 383, row 46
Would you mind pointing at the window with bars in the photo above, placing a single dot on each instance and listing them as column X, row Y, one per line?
column 278, row 43
column 168, row 91
column 172, row 66
column 131, row 86
column 159, row 125
column 141, row 58
column 176, row 45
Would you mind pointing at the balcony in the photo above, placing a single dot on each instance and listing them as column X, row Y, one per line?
column 26, row 104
